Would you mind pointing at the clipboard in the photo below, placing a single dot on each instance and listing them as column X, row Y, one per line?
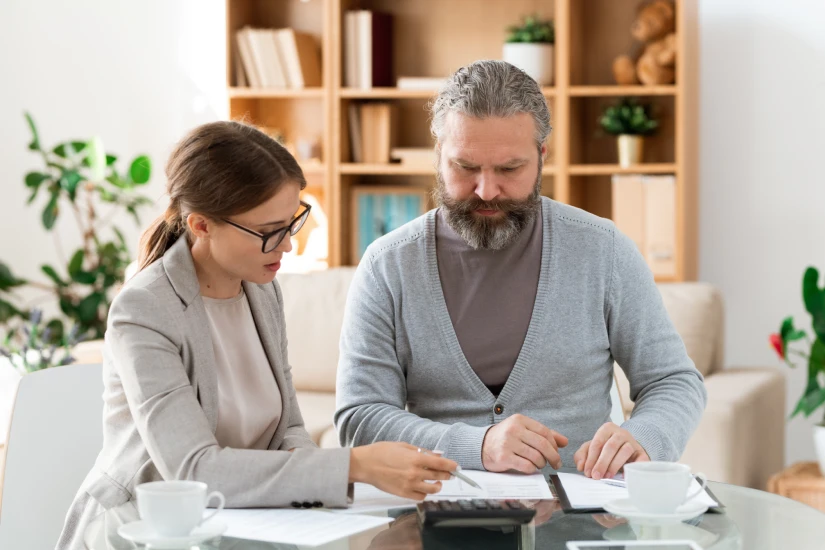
column 558, row 489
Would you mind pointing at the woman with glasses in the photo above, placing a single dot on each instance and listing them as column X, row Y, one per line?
column 197, row 382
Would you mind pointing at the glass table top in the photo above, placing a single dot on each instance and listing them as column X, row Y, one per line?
column 751, row 520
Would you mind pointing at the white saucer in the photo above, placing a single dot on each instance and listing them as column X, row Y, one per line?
column 624, row 508
column 139, row 531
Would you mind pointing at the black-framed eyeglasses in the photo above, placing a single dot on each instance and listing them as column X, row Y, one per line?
column 272, row 239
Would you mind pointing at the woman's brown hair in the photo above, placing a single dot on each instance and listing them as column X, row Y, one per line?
column 219, row 169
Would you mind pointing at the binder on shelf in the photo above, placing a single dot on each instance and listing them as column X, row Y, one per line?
column 660, row 224
column 644, row 208
column 628, row 207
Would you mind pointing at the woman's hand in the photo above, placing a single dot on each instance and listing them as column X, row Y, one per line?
column 400, row 469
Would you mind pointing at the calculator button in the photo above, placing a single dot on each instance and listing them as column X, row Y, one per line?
column 465, row 505
column 494, row 505
column 480, row 504
column 445, row 505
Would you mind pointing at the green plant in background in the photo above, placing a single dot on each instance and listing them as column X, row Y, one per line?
column 533, row 30
column 814, row 297
column 628, row 117
column 31, row 346
column 81, row 179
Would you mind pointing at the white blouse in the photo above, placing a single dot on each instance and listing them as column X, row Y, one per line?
column 249, row 401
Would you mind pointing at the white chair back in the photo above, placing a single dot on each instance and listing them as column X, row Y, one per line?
column 56, row 434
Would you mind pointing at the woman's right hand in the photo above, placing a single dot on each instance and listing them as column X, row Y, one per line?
column 400, row 469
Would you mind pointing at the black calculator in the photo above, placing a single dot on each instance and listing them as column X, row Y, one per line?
column 473, row 513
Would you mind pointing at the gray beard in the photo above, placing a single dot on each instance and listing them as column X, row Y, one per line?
column 487, row 233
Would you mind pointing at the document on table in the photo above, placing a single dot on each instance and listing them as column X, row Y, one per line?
column 302, row 527
column 584, row 493
column 495, row 486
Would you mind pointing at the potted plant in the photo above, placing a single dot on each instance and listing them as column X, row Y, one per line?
column 787, row 343
column 529, row 46
column 81, row 178
column 630, row 121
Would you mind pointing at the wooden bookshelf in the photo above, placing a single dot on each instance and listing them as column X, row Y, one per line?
column 430, row 40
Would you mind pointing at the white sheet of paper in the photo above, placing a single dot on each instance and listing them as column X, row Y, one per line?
column 302, row 527
column 496, row 486
column 584, row 492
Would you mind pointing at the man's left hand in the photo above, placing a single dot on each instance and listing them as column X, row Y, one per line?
column 610, row 449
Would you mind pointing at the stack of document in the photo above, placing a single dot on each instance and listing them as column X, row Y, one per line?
column 578, row 492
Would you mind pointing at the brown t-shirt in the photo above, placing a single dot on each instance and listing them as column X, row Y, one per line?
column 490, row 296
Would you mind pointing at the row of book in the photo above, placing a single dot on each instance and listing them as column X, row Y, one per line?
column 644, row 208
column 372, row 131
column 368, row 49
column 276, row 58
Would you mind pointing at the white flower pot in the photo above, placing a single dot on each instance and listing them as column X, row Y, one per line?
column 534, row 59
column 631, row 150
column 819, row 445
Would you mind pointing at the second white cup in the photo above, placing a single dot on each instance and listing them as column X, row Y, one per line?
column 660, row 487
column 175, row 508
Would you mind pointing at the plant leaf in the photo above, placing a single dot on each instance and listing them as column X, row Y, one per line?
column 76, row 263
column 69, row 149
column 8, row 311
column 35, row 143
column 7, row 278
column 96, row 158
column 52, row 274
column 84, row 278
column 88, row 306
column 110, row 160
column 814, row 299
column 34, row 179
column 56, row 331
column 69, row 182
column 141, row 170
column 51, row 211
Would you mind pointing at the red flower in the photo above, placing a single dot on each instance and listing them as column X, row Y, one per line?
column 778, row 346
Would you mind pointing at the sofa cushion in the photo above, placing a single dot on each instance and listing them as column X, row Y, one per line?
column 697, row 313
column 317, row 408
column 314, row 308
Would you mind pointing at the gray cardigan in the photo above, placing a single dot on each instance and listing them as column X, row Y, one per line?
column 403, row 377
column 160, row 405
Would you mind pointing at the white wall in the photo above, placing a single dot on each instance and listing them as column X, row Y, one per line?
column 762, row 219
column 136, row 73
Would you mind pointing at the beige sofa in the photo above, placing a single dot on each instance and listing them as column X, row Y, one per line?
column 740, row 439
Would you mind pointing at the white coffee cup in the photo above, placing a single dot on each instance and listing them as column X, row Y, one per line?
column 660, row 487
column 175, row 508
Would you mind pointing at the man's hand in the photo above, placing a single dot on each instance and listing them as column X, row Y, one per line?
column 610, row 449
column 522, row 444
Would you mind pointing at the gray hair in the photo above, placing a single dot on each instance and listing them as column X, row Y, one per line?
column 491, row 88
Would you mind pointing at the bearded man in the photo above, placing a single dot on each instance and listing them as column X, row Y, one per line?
column 488, row 328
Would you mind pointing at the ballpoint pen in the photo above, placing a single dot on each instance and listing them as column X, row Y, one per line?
column 457, row 473
column 615, row 483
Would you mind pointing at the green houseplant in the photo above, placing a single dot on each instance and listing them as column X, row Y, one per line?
column 792, row 344
column 529, row 46
column 630, row 121
column 76, row 178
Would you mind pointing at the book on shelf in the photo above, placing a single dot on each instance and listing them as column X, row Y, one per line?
column 414, row 156
column 277, row 58
column 372, row 132
column 420, row 83
column 367, row 49
column 644, row 209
